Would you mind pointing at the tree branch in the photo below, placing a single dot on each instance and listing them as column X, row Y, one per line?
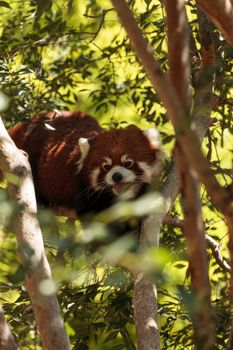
column 179, row 72
column 212, row 244
column 145, row 313
column 187, row 138
column 31, row 247
column 221, row 14
column 204, row 328
column 7, row 340
column 46, row 40
column 151, row 226
column 189, row 143
column 178, row 51
column 203, row 79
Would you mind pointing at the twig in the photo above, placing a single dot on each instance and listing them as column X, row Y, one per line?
column 215, row 247
column 46, row 40
column 102, row 18
column 99, row 15
column 212, row 244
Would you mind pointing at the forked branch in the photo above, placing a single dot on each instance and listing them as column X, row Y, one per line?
column 187, row 138
column 189, row 143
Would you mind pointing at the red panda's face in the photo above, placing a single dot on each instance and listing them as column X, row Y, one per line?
column 121, row 160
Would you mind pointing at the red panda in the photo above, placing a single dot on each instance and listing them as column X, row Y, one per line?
column 78, row 165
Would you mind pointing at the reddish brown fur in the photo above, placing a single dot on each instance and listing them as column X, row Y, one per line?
column 117, row 142
column 53, row 155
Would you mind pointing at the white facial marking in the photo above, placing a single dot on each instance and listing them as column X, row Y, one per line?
column 84, row 149
column 153, row 170
column 126, row 161
column 158, row 164
column 94, row 179
column 127, row 175
column 124, row 158
column 147, row 171
column 107, row 163
column 108, row 160
column 153, row 136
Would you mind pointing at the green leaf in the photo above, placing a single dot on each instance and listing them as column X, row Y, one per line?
column 42, row 7
column 111, row 336
column 4, row 4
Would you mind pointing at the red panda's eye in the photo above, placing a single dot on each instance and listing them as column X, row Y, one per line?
column 128, row 163
column 106, row 167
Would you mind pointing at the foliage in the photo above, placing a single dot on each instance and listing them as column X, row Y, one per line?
column 75, row 55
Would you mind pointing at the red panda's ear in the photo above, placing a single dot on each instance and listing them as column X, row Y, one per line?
column 84, row 146
column 153, row 136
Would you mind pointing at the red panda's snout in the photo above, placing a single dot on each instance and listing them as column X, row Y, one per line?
column 122, row 179
column 122, row 160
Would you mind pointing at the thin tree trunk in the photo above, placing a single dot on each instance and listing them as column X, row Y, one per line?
column 179, row 72
column 187, row 138
column 178, row 116
column 31, row 248
column 145, row 313
column 204, row 328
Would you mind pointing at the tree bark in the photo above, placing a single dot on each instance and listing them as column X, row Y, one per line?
column 179, row 72
column 221, row 14
column 178, row 51
column 211, row 243
column 31, row 247
column 204, row 328
column 187, row 138
column 177, row 115
column 145, row 313
column 7, row 340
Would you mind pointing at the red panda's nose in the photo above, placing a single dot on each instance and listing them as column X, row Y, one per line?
column 117, row 177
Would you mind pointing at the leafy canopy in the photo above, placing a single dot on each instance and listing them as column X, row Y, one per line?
column 75, row 55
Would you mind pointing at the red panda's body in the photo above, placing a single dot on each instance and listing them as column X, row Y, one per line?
column 53, row 154
column 78, row 165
